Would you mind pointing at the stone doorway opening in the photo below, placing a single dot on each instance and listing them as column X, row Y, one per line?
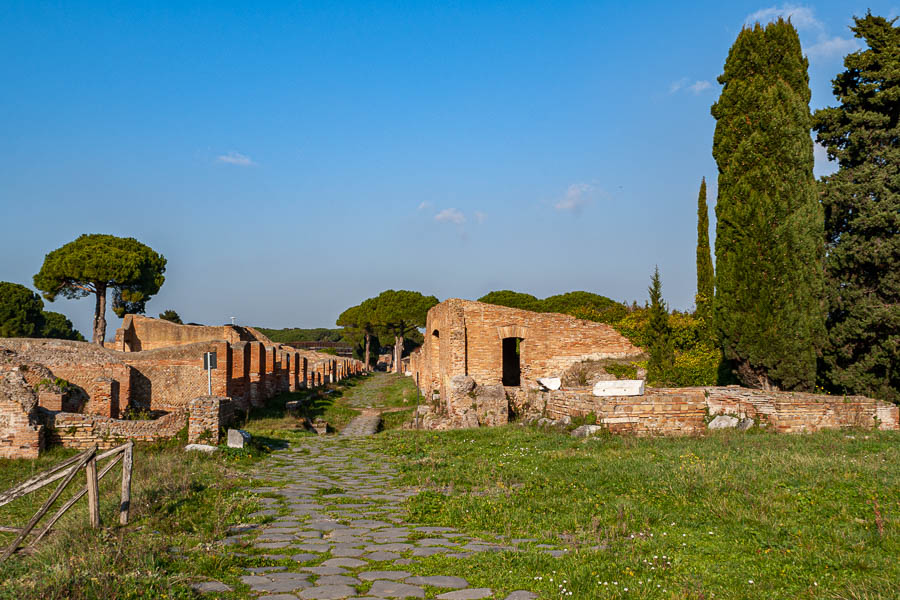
column 512, row 363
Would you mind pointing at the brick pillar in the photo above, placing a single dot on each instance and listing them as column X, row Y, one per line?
column 271, row 367
column 304, row 367
column 221, row 376
column 240, row 375
column 257, row 373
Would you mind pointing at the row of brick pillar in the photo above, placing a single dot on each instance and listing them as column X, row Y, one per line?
column 259, row 372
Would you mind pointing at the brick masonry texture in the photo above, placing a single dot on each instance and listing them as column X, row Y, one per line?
column 209, row 415
column 466, row 338
column 164, row 376
column 685, row 411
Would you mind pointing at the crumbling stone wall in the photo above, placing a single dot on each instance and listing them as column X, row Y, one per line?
column 209, row 415
column 21, row 433
column 74, row 430
column 681, row 411
column 794, row 412
column 661, row 411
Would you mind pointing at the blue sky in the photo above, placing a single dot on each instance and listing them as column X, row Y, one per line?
column 290, row 159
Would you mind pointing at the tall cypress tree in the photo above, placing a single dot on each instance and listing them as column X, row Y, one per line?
column 769, row 225
column 862, row 216
column 662, row 349
column 705, row 276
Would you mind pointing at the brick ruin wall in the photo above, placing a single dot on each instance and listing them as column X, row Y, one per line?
column 686, row 411
column 139, row 333
column 75, row 430
column 209, row 415
column 466, row 338
column 104, row 383
column 21, row 432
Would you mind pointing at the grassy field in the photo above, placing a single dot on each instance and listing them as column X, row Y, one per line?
column 731, row 515
column 181, row 503
column 753, row 515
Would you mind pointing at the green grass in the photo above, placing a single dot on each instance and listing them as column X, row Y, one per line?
column 796, row 514
column 182, row 502
column 382, row 391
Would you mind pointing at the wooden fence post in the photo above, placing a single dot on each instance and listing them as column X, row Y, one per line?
column 82, row 460
column 93, row 492
column 127, row 464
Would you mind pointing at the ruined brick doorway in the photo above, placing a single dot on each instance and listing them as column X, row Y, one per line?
column 512, row 365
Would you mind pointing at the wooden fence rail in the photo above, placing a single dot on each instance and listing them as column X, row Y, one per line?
column 67, row 470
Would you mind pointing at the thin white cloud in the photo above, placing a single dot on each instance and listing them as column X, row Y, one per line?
column 699, row 86
column 684, row 85
column 235, row 158
column 577, row 196
column 677, row 85
column 836, row 46
column 480, row 217
column 802, row 17
column 450, row 215
column 424, row 204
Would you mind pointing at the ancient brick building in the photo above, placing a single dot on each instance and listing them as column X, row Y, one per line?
column 507, row 346
column 74, row 393
column 481, row 362
column 502, row 351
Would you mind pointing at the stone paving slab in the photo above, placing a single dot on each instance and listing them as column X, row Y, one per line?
column 334, row 537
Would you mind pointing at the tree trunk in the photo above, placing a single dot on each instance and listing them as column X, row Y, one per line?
column 367, row 352
column 100, row 315
column 398, row 350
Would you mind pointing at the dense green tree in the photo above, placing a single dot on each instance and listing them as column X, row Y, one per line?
column 512, row 300
column 768, row 307
column 361, row 320
column 862, row 216
column 170, row 315
column 583, row 305
column 21, row 311
column 660, row 345
column 400, row 313
column 59, row 327
column 571, row 302
column 94, row 263
column 705, row 275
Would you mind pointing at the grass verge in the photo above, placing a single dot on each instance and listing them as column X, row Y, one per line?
column 730, row 515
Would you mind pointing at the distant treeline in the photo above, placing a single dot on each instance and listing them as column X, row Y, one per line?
column 297, row 334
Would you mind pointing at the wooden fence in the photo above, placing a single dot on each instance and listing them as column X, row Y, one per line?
column 67, row 470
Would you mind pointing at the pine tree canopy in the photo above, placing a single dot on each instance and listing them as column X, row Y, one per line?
column 769, row 227
column 862, row 216
column 93, row 263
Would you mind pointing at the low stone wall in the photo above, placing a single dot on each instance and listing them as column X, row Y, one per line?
column 793, row 412
column 658, row 412
column 685, row 411
column 209, row 415
column 76, row 430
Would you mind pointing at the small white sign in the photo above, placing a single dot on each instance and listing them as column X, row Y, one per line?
column 620, row 387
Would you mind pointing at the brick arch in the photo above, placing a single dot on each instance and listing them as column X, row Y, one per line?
column 512, row 331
